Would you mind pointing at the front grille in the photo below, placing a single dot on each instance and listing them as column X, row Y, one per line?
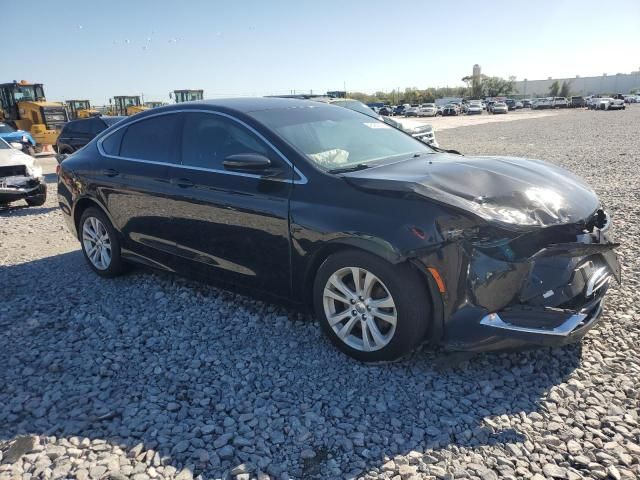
column 13, row 171
column 54, row 117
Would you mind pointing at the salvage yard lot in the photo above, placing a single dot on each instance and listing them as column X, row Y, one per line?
column 160, row 377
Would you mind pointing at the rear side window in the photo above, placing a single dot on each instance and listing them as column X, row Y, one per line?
column 208, row 139
column 97, row 126
column 82, row 126
column 154, row 139
column 111, row 144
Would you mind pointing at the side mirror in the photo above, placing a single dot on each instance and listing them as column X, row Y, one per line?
column 61, row 156
column 247, row 162
column 16, row 145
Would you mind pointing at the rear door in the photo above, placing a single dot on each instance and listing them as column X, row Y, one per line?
column 134, row 183
column 230, row 226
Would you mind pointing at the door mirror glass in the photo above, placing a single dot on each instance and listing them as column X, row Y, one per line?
column 247, row 162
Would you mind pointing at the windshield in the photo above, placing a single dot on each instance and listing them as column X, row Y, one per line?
column 355, row 106
column 23, row 93
column 338, row 138
column 6, row 128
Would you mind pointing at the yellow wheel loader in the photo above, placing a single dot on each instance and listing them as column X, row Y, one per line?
column 126, row 105
column 81, row 109
column 187, row 95
column 24, row 106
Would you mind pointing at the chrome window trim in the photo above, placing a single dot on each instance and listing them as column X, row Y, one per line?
column 299, row 181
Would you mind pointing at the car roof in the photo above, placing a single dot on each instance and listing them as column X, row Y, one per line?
column 246, row 105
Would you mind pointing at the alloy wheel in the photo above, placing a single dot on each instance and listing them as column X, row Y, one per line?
column 360, row 309
column 97, row 244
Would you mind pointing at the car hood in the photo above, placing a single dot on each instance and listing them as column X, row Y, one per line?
column 512, row 191
column 11, row 157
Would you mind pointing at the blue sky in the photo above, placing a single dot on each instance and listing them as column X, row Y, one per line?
column 95, row 50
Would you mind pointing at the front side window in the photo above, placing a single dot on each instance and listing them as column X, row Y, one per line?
column 334, row 137
column 153, row 139
column 6, row 128
column 4, row 145
column 208, row 139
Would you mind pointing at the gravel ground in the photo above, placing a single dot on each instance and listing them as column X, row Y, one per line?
column 151, row 376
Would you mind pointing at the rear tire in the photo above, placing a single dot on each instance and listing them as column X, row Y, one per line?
column 100, row 243
column 391, row 304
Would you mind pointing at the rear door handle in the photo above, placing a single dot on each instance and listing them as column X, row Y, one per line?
column 110, row 172
column 181, row 182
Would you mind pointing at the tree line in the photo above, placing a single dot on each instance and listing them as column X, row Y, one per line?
column 475, row 88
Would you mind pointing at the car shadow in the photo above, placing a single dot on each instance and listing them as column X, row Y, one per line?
column 85, row 357
column 24, row 210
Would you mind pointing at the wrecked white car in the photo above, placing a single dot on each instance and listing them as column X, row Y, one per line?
column 20, row 177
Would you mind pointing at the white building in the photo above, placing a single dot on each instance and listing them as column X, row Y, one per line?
column 607, row 84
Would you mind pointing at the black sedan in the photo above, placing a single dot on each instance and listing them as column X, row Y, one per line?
column 77, row 133
column 389, row 241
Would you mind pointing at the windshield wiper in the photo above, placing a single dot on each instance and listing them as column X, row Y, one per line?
column 442, row 150
column 353, row 168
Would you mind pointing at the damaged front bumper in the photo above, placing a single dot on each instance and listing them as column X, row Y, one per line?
column 19, row 187
column 550, row 298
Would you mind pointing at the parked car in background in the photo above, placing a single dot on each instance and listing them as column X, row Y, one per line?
column 500, row 107
column 526, row 103
column 439, row 108
column 450, row 110
column 386, row 111
column 419, row 131
column 235, row 192
column 399, row 110
column 519, row 104
column 412, row 112
column 12, row 135
column 511, row 103
column 474, row 109
column 541, row 104
column 77, row 133
column 560, row 102
column 428, row 110
column 20, row 176
column 577, row 102
column 617, row 104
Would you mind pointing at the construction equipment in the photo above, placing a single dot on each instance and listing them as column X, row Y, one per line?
column 24, row 106
column 187, row 95
column 153, row 104
column 81, row 109
column 126, row 105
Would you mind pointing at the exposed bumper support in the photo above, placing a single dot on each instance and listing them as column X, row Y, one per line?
column 562, row 330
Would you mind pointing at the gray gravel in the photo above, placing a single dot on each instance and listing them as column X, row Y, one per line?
column 150, row 376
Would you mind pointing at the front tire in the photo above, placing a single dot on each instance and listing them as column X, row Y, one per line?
column 100, row 243
column 370, row 309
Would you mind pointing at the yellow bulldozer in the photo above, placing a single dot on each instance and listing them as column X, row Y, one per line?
column 81, row 109
column 125, row 105
column 181, row 96
column 24, row 106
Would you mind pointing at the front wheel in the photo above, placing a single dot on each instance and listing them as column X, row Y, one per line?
column 370, row 309
column 100, row 243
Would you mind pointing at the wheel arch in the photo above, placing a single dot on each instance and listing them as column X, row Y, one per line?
column 81, row 205
column 435, row 329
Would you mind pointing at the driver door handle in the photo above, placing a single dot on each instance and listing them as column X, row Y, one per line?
column 181, row 182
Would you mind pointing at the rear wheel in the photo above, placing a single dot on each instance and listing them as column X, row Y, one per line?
column 370, row 309
column 100, row 243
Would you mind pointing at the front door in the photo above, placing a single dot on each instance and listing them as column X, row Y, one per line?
column 230, row 226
